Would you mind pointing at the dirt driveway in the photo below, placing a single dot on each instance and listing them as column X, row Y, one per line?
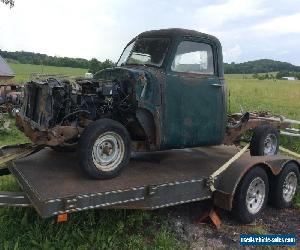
column 205, row 236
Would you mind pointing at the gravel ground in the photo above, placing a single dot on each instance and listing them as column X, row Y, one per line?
column 205, row 236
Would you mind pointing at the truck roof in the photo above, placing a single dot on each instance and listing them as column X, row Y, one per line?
column 177, row 32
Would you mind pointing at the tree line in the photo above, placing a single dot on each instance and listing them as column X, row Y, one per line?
column 279, row 75
column 24, row 57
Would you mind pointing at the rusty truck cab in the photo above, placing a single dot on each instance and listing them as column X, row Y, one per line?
column 184, row 91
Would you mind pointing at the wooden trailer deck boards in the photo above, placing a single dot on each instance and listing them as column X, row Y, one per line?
column 55, row 184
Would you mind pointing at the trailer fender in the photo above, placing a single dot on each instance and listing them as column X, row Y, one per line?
column 226, row 183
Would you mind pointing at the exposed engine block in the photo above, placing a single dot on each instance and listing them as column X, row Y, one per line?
column 54, row 102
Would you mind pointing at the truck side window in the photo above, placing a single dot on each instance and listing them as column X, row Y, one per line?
column 193, row 57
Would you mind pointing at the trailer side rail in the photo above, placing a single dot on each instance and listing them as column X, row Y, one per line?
column 15, row 199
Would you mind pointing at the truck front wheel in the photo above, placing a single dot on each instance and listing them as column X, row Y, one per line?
column 264, row 141
column 104, row 149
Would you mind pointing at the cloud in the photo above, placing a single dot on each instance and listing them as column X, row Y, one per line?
column 248, row 29
column 61, row 28
column 232, row 54
column 280, row 25
column 215, row 16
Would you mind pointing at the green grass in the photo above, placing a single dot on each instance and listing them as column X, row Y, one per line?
column 24, row 71
column 98, row 229
column 258, row 230
column 24, row 229
column 12, row 135
column 280, row 97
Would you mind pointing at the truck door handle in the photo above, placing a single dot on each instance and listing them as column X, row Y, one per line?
column 217, row 85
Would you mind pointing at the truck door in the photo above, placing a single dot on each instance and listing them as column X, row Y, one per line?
column 194, row 100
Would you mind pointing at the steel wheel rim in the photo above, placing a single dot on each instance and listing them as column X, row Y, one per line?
column 256, row 195
column 108, row 151
column 289, row 186
column 270, row 145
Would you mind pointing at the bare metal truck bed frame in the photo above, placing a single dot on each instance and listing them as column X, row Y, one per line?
column 53, row 183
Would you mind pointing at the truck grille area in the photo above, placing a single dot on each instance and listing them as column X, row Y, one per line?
column 42, row 103
column 33, row 110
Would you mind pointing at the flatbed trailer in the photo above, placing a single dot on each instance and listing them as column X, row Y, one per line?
column 54, row 184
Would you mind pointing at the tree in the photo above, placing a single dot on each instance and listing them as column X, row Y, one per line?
column 94, row 65
column 282, row 73
column 107, row 64
column 11, row 3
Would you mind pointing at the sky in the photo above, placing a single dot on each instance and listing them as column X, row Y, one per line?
column 247, row 29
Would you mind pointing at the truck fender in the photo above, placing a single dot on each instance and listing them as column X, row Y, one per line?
column 146, row 120
column 227, row 183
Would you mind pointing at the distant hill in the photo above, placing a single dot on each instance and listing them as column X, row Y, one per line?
column 259, row 66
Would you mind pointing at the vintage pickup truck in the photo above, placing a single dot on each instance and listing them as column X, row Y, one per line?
column 167, row 91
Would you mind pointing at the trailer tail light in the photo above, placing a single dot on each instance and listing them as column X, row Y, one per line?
column 62, row 218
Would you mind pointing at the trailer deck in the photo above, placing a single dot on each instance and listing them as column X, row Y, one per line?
column 55, row 184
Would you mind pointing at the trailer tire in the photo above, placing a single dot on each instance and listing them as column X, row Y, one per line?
column 264, row 141
column 104, row 149
column 285, row 186
column 251, row 195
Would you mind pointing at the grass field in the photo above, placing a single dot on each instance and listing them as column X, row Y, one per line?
column 278, row 97
column 23, row 229
column 24, row 71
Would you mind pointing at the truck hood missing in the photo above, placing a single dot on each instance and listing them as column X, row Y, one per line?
column 52, row 105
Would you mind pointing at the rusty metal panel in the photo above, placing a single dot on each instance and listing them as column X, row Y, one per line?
column 194, row 108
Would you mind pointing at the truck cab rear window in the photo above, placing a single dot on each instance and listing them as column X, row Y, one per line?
column 193, row 57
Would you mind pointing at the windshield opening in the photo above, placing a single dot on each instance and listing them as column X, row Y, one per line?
column 145, row 51
column 124, row 57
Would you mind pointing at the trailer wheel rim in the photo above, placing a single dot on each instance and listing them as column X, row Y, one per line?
column 256, row 195
column 108, row 151
column 270, row 145
column 289, row 187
